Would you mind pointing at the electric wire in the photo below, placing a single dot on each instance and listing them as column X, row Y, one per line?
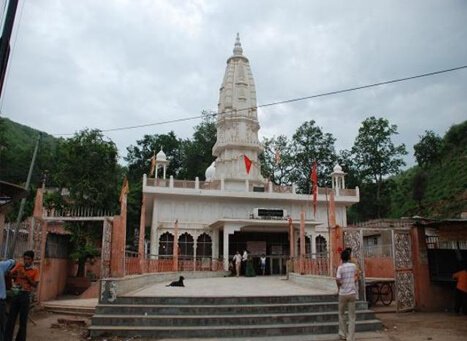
column 292, row 100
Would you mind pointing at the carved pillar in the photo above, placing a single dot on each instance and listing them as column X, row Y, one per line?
column 154, row 223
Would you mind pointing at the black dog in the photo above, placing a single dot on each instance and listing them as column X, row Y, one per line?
column 178, row 283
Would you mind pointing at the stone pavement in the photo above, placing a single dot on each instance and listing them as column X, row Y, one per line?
column 232, row 286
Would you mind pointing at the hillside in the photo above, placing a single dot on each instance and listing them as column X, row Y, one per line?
column 17, row 143
column 441, row 185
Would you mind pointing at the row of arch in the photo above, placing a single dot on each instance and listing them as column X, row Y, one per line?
column 204, row 245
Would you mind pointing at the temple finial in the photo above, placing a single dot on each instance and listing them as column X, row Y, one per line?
column 238, row 51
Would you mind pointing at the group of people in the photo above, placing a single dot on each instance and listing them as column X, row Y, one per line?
column 23, row 279
column 244, row 266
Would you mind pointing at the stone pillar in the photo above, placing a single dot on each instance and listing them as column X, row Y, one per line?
column 215, row 244
column 195, row 245
column 313, row 245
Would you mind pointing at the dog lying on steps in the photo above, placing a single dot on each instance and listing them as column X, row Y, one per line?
column 178, row 283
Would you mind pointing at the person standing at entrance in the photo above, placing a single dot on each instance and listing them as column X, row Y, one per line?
column 237, row 260
column 5, row 266
column 461, row 290
column 262, row 263
column 345, row 279
column 244, row 260
column 25, row 279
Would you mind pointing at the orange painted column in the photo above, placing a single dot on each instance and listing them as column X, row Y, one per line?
column 175, row 248
column 336, row 237
column 44, row 233
column 142, row 232
column 302, row 242
column 117, row 255
column 291, row 239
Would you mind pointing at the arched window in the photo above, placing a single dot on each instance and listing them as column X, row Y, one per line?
column 166, row 244
column 307, row 246
column 185, row 244
column 321, row 246
column 204, row 246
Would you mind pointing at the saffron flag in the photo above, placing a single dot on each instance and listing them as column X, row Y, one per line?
column 314, row 185
column 153, row 164
column 248, row 163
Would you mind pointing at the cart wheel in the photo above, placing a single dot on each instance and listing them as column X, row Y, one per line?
column 386, row 293
column 374, row 294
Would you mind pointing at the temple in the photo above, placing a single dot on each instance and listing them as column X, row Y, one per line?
column 235, row 208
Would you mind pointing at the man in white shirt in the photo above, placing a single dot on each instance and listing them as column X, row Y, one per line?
column 237, row 260
column 345, row 279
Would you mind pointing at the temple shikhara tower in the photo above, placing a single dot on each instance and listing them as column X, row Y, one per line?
column 237, row 124
column 235, row 208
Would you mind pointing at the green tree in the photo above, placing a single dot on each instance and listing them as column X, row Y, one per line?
column 429, row 149
column 277, row 160
column 419, row 188
column 139, row 156
column 375, row 155
column 310, row 144
column 87, row 167
column 197, row 152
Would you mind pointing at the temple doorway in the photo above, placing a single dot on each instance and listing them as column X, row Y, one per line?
column 275, row 245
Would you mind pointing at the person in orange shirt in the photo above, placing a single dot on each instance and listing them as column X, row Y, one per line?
column 461, row 290
column 25, row 279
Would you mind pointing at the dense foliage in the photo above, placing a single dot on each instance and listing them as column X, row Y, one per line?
column 436, row 187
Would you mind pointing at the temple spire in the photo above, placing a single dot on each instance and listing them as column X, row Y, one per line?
column 238, row 51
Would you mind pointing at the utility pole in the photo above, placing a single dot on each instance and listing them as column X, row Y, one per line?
column 5, row 40
column 23, row 201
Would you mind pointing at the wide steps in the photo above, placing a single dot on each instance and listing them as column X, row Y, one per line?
column 220, row 309
column 195, row 317
column 219, row 320
column 230, row 331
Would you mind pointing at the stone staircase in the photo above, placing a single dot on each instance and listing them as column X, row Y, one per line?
column 196, row 317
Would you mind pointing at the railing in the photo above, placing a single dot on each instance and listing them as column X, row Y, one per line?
column 76, row 212
column 184, row 184
column 315, row 265
column 162, row 263
column 132, row 265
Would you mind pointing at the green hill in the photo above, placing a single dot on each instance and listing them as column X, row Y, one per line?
column 17, row 143
column 441, row 185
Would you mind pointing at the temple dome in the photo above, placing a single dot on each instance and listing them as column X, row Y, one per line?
column 210, row 171
column 337, row 169
column 161, row 156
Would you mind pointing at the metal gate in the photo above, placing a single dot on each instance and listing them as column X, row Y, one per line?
column 404, row 288
column 404, row 281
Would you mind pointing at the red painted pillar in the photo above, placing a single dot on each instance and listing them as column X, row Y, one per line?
column 142, row 232
column 302, row 242
column 117, row 258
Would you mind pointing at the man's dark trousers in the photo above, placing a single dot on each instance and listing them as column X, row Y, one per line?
column 19, row 305
column 2, row 318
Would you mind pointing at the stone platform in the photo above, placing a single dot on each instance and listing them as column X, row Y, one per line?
column 232, row 286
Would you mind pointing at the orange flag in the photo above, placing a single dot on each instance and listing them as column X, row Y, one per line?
column 248, row 163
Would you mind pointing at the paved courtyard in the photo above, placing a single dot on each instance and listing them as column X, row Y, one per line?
column 232, row 286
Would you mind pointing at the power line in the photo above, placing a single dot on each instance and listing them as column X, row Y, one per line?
column 297, row 99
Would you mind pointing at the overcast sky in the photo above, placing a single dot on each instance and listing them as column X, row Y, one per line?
column 115, row 63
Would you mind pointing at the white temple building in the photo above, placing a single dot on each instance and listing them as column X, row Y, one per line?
column 234, row 209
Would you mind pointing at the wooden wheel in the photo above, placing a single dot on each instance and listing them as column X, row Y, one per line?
column 386, row 293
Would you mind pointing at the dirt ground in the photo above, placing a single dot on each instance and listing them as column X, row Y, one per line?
column 397, row 327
